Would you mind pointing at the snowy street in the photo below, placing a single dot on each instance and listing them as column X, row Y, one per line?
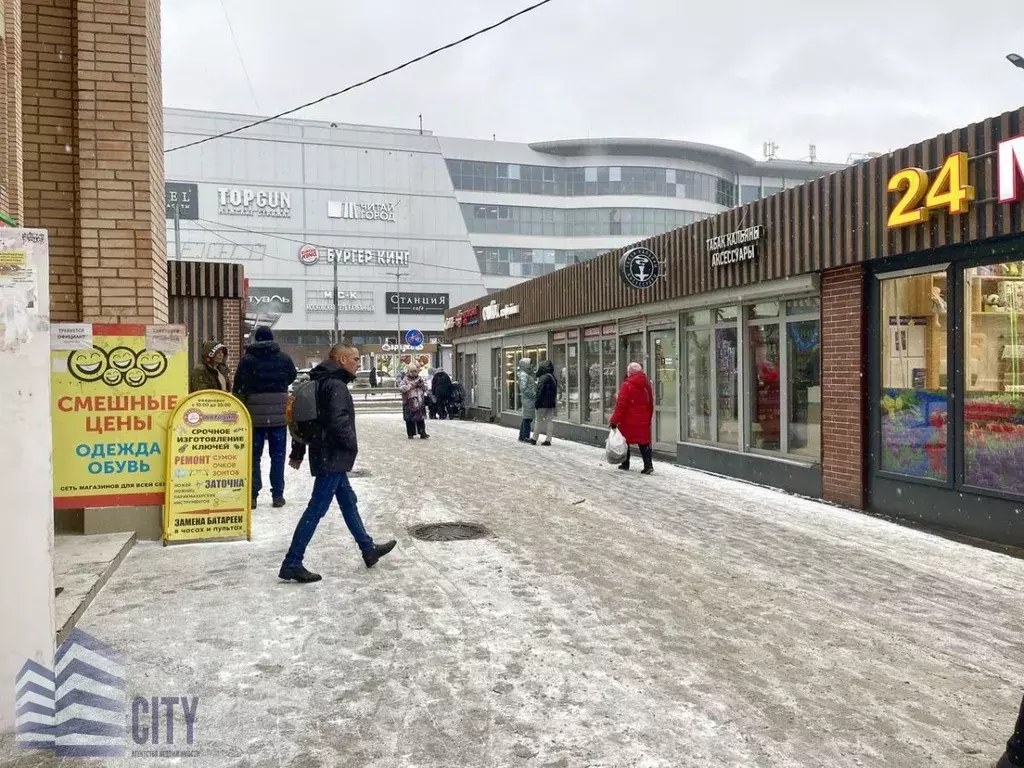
column 613, row 620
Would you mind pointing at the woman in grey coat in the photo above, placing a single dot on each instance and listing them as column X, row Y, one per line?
column 528, row 394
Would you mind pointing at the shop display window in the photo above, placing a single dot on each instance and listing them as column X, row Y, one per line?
column 727, row 379
column 803, row 351
column 609, row 378
column 559, row 360
column 914, row 402
column 698, row 384
column 592, row 377
column 994, row 377
column 571, row 381
column 511, row 394
column 765, row 391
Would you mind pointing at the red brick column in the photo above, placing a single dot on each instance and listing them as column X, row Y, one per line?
column 844, row 386
column 231, row 320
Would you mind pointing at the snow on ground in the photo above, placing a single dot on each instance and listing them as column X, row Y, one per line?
column 613, row 620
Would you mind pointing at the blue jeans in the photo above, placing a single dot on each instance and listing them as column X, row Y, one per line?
column 325, row 489
column 524, row 429
column 278, row 439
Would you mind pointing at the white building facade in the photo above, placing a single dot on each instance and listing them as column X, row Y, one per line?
column 418, row 223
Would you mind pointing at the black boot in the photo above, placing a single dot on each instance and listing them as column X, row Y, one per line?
column 647, row 471
column 624, row 466
column 253, row 502
column 299, row 574
column 279, row 501
column 371, row 557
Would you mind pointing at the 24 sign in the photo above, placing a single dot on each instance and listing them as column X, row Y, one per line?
column 949, row 191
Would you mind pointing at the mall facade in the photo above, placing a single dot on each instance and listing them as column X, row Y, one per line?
column 418, row 223
column 855, row 338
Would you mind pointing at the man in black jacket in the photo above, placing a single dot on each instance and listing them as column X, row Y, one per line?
column 547, row 399
column 261, row 382
column 1014, row 755
column 331, row 457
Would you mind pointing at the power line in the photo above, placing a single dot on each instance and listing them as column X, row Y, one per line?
column 241, row 60
column 361, row 83
column 285, row 238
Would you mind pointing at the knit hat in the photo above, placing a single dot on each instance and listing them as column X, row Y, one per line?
column 263, row 334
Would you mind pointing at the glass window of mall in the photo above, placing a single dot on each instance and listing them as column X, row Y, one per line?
column 593, row 180
column 574, row 222
column 949, row 389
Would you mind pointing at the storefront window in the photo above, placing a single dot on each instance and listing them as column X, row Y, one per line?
column 803, row 343
column 914, row 405
column 609, row 377
column 726, row 374
column 994, row 377
column 469, row 385
column 591, row 388
column 558, row 360
column 765, row 378
column 512, row 357
column 698, row 384
column 572, row 383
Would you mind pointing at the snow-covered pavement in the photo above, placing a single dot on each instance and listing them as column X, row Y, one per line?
column 613, row 620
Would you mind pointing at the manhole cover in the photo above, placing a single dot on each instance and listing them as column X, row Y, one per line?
column 449, row 531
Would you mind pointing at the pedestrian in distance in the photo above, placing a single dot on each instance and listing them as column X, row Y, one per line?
column 634, row 411
column 261, row 383
column 212, row 371
column 373, row 377
column 332, row 454
column 414, row 403
column 441, row 390
column 527, row 381
column 545, row 402
column 1013, row 757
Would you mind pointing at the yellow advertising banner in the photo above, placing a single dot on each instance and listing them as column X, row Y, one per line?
column 209, row 468
column 112, row 390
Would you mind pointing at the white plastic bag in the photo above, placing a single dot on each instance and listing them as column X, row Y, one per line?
column 615, row 448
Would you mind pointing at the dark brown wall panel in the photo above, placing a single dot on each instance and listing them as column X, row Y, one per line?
column 837, row 220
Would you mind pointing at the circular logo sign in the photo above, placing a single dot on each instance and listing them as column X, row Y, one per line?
column 309, row 255
column 414, row 338
column 640, row 267
column 193, row 416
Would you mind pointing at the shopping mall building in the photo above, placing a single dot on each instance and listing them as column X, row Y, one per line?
column 854, row 338
column 418, row 223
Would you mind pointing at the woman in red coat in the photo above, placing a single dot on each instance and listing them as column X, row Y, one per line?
column 634, row 410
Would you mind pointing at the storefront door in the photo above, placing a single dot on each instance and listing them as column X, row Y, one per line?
column 631, row 350
column 496, row 382
column 664, row 373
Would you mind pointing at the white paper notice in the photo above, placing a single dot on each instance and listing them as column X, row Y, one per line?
column 71, row 336
column 168, row 339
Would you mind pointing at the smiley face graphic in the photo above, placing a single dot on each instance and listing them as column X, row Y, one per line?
column 135, row 377
column 152, row 363
column 112, row 377
column 121, row 358
column 88, row 364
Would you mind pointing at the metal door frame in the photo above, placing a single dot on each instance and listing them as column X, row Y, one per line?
column 652, row 373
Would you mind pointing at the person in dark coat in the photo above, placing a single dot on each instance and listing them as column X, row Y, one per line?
column 1014, row 755
column 212, row 372
column 261, row 382
column 634, row 411
column 546, row 400
column 414, row 403
column 441, row 389
column 373, row 377
column 331, row 457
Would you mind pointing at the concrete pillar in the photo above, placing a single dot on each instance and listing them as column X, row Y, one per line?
column 27, row 629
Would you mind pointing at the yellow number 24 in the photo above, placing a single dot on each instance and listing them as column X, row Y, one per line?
column 950, row 190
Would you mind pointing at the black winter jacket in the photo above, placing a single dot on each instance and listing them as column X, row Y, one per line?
column 441, row 386
column 547, row 387
column 336, row 448
column 261, row 382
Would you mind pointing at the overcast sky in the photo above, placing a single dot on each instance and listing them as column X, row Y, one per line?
column 849, row 77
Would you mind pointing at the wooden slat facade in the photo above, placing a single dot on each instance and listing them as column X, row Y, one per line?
column 835, row 221
column 201, row 278
column 200, row 295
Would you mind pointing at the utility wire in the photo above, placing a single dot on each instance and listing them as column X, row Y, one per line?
column 238, row 50
column 367, row 81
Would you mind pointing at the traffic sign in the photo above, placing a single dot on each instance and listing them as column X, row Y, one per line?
column 414, row 338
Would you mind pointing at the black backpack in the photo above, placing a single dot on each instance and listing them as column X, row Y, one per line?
column 303, row 412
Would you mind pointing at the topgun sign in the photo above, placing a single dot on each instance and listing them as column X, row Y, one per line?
column 254, row 202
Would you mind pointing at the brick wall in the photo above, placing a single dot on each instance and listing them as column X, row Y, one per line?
column 231, row 322
column 11, row 200
column 93, row 149
column 844, row 386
